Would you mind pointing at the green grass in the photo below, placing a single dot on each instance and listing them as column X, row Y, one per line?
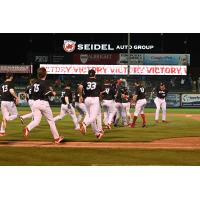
column 177, row 127
column 96, row 157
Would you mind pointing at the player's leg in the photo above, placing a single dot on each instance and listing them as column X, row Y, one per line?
column 128, row 114
column 5, row 115
column 62, row 113
column 81, row 113
column 143, row 115
column 47, row 112
column 118, row 111
column 72, row 114
column 106, row 115
column 163, row 106
column 138, row 108
column 93, row 107
column 110, row 112
column 123, row 114
column 157, row 102
column 29, row 115
column 12, row 109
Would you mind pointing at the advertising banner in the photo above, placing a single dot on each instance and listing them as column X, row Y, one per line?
column 83, row 69
column 135, row 59
column 94, row 58
column 173, row 100
column 158, row 70
column 190, row 100
column 22, row 69
column 167, row 59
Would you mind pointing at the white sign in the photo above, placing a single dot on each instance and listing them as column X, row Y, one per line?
column 83, row 69
column 117, row 69
column 158, row 70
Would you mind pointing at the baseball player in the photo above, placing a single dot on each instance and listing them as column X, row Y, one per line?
column 126, row 103
column 9, row 100
column 80, row 106
column 67, row 107
column 91, row 89
column 160, row 102
column 140, row 104
column 108, row 103
column 41, row 107
column 30, row 101
column 119, row 109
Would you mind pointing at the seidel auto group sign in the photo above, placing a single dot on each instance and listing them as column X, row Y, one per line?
column 70, row 46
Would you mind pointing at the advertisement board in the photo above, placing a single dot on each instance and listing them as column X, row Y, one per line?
column 190, row 100
column 167, row 59
column 83, row 69
column 94, row 58
column 158, row 70
column 173, row 100
column 135, row 59
column 22, row 69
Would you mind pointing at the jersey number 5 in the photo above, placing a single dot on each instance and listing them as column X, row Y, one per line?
column 91, row 85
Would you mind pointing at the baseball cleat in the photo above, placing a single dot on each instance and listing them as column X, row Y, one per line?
column 25, row 132
column 143, row 125
column 21, row 119
column 132, row 125
column 2, row 134
column 59, row 140
column 83, row 128
column 99, row 135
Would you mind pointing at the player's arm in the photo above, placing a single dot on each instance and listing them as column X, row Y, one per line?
column 50, row 92
column 13, row 93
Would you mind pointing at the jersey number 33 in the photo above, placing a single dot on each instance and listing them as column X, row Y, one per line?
column 91, row 85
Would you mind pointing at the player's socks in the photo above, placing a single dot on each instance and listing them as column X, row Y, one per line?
column 143, row 119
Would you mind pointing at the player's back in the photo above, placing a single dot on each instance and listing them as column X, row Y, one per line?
column 5, row 91
column 66, row 93
column 91, row 87
column 140, row 92
column 108, row 92
column 40, row 90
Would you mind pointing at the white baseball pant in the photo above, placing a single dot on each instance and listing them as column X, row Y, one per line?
column 108, row 107
column 71, row 111
column 94, row 114
column 81, row 108
column 127, row 107
column 121, row 112
column 160, row 103
column 41, row 107
column 29, row 115
column 9, row 112
column 139, row 107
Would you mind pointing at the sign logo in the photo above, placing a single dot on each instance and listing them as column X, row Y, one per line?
column 84, row 58
column 69, row 46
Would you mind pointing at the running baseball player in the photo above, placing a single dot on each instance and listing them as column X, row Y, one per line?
column 67, row 107
column 80, row 106
column 91, row 89
column 160, row 102
column 41, row 92
column 30, row 100
column 126, row 104
column 120, row 110
column 140, row 104
column 9, row 100
column 108, row 94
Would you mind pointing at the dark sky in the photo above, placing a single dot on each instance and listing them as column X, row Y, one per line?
column 15, row 47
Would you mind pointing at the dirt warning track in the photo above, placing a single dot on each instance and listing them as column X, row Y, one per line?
column 186, row 143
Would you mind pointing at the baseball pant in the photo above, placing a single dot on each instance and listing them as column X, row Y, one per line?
column 66, row 110
column 29, row 115
column 81, row 108
column 108, row 107
column 127, row 107
column 9, row 112
column 94, row 114
column 160, row 103
column 42, row 108
column 121, row 112
column 139, row 107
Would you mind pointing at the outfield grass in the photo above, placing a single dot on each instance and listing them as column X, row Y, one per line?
column 177, row 127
